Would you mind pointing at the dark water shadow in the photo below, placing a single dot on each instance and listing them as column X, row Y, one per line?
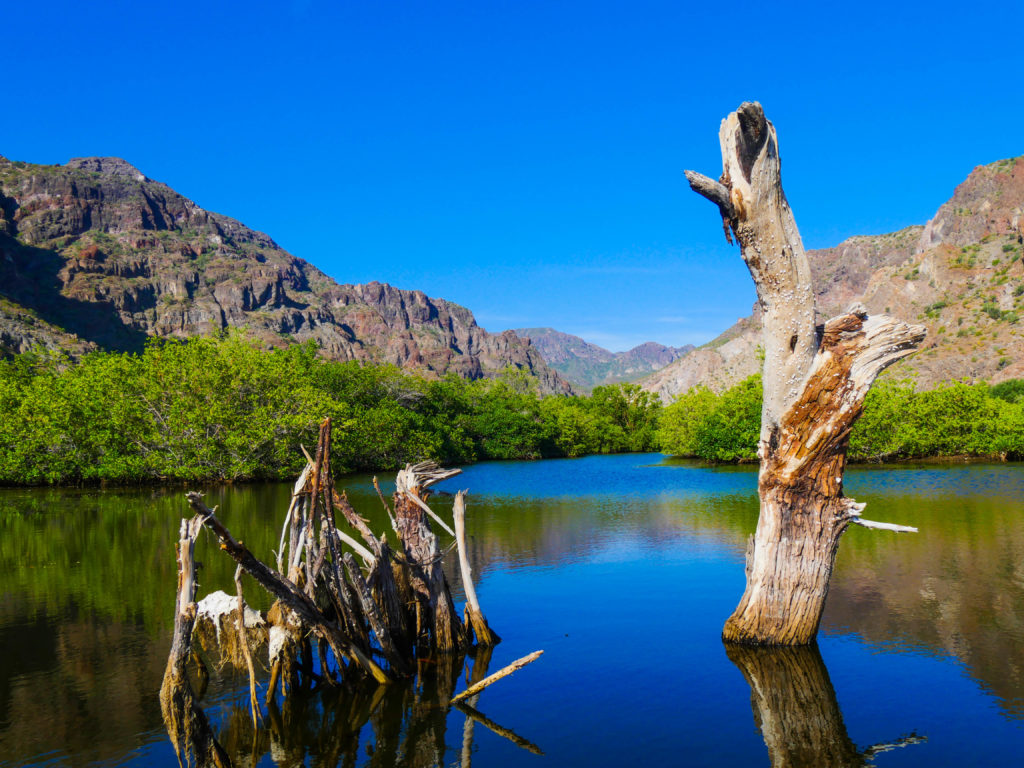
column 796, row 710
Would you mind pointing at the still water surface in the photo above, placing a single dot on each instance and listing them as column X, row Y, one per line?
column 622, row 568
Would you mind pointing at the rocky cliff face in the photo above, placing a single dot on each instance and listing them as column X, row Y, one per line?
column 587, row 365
column 95, row 255
column 961, row 275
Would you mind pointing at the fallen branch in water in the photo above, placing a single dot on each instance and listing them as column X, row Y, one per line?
column 504, row 672
column 902, row 741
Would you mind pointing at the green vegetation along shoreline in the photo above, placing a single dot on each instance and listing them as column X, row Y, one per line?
column 899, row 423
column 226, row 410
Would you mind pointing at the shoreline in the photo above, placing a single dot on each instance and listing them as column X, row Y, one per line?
column 170, row 484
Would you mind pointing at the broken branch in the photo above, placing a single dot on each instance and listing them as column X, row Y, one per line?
column 503, row 672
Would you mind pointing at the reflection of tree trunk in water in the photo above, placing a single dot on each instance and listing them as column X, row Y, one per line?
column 424, row 743
column 481, row 662
column 795, row 707
column 410, row 723
column 796, row 710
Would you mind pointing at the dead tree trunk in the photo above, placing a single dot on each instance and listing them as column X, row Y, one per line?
column 474, row 618
column 186, row 723
column 815, row 380
column 435, row 616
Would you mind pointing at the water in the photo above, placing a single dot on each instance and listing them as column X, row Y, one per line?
column 621, row 568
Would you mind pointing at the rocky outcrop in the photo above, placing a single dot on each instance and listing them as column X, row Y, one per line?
column 841, row 274
column 103, row 257
column 722, row 362
column 587, row 365
column 961, row 275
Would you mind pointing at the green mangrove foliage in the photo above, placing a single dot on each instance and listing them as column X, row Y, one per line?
column 898, row 422
column 226, row 409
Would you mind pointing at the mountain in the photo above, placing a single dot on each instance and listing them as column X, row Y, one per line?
column 587, row 365
column 961, row 275
column 93, row 254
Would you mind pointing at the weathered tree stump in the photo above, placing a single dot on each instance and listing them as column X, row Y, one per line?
column 815, row 380
column 434, row 613
column 186, row 723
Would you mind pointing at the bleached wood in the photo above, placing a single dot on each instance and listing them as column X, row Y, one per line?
column 300, row 486
column 501, row 673
column 883, row 526
column 459, row 513
column 474, row 617
column 774, row 253
column 360, row 550
column 423, row 475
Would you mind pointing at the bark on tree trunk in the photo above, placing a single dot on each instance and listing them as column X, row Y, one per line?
column 437, row 615
column 815, row 380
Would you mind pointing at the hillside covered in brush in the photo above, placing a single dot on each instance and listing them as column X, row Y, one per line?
column 961, row 275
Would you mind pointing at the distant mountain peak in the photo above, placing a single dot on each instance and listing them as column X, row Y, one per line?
column 587, row 365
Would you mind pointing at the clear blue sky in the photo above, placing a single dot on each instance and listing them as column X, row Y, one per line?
column 523, row 159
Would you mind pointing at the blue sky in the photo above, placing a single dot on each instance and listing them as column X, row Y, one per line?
column 523, row 159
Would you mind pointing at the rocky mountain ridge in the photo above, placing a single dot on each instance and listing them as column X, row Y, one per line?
column 587, row 365
column 93, row 254
column 961, row 275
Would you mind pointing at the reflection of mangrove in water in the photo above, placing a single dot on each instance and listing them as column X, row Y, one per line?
column 401, row 724
column 955, row 588
column 796, row 710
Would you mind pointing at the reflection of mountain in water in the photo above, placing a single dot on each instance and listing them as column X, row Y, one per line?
column 955, row 588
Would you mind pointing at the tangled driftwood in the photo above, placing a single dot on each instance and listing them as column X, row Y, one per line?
column 377, row 625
